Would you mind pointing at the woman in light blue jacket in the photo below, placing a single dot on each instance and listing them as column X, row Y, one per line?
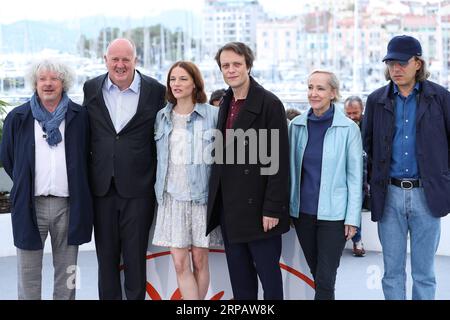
column 184, row 132
column 326, row 161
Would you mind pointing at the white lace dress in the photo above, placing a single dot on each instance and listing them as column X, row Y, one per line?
column 181, row 223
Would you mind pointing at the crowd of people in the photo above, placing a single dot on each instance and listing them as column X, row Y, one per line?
column 236, row 172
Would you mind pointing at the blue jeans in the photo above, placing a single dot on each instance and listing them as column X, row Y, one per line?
column 357, row 237
column 407, row 211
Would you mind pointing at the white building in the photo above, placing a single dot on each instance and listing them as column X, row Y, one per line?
column 230, row 20
column 320, row 5
column 279, row 40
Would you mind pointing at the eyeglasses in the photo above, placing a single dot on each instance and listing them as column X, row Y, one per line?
column 392, row 63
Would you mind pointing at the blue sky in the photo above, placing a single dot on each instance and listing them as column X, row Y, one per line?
column 14, row 10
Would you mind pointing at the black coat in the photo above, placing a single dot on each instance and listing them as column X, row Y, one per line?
column 432, row 145
column 129, row 155
column 247, row 195
column 18, row 157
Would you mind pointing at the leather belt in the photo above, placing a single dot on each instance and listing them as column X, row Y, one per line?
column 406, row 184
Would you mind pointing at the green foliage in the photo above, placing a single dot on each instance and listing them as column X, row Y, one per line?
column 3, row 104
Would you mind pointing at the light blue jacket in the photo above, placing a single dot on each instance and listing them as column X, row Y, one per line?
column 200, row 126
column 342, row 169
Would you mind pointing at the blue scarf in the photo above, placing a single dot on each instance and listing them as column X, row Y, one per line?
column 50, row 121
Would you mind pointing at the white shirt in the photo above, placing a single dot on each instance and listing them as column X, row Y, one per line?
column 122, row 105
column 177, row 179
column 50, row 166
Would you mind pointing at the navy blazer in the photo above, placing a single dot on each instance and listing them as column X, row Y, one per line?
column 432, row 145
column 128, row 155
column 17, row 154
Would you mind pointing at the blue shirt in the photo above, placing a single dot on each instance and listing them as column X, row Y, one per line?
column 312, row 160
column 121, row 105
column 404, row 160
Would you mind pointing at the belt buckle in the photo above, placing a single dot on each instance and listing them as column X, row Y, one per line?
column 406, row 185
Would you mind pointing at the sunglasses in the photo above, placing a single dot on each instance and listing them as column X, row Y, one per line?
column 391, row 63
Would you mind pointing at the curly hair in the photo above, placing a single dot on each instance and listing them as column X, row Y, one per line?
column 65, row 73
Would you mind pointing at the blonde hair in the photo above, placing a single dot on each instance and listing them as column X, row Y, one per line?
column 332, row 81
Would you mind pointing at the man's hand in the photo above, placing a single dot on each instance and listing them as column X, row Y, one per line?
column 269, row 223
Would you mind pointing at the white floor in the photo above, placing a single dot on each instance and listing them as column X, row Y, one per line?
column 358, row 278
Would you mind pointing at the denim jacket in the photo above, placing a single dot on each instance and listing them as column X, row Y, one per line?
column 340, row 195
column 200, row 127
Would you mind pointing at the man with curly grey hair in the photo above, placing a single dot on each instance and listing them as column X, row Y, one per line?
column 45, row 150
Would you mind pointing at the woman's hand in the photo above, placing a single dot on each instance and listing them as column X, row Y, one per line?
column 350, row 231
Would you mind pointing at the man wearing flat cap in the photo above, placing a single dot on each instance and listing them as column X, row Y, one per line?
column 406, row 130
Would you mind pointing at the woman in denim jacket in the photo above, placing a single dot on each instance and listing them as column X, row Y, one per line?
column 184, row 135
column 326, row 161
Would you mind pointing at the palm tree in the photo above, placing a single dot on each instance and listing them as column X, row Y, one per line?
column 5, row 205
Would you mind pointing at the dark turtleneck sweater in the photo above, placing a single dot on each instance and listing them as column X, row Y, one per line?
column 312, row 160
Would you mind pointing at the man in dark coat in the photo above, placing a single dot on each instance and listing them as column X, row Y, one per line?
column 45, row 152
column 354, row 109
column 248, row 195
column 122, row 106
column 406, row 131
